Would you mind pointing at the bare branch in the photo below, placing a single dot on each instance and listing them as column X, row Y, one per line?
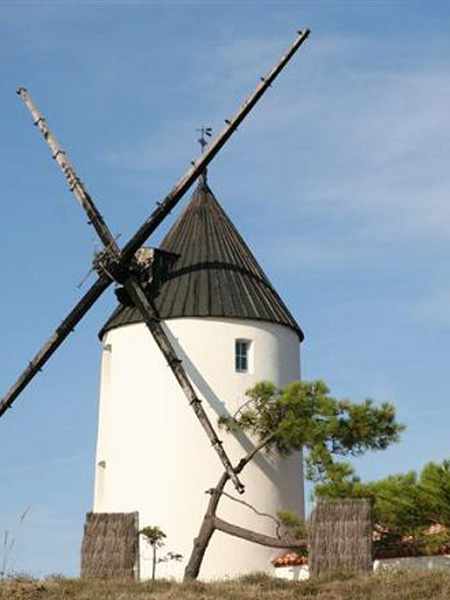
column 250, row 456
column 260, row 514
column 241, row 408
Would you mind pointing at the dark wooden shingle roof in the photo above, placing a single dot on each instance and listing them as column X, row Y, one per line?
column 215, row 275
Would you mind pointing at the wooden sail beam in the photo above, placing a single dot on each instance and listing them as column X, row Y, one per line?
column 54, row 342
column 74, row 182
column 212, row 149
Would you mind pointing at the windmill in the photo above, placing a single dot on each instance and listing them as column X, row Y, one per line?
column 135, row 270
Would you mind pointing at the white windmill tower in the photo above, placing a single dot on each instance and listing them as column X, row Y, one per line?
column 231, row 330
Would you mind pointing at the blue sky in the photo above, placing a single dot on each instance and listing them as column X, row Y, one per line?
column 338, row 181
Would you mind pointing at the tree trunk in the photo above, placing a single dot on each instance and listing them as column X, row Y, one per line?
column 154, row 563
column 208, row 525
column 206, row 531
column 200, row 545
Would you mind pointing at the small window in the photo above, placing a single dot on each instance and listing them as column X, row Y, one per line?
column 241, row 356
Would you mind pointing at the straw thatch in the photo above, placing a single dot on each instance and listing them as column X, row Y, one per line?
column 341, row 536
column 110, row 545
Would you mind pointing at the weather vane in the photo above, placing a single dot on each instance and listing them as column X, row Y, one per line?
column 205, row 132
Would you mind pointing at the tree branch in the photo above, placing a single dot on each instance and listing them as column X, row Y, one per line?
column 208, row 525
column 260, row 514
column 244, row 461
column 257, row 538
column 241, row 408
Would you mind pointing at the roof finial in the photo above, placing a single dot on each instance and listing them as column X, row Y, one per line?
column 205, row 132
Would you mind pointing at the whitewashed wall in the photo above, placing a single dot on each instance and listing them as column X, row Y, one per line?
column 294, row 573
column 414, row 563
column 407, row 563
column 153, row 456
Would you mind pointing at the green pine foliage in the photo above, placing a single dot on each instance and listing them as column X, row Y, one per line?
column 303, row 415
column 293, row 524
column 435, row 491
column 406, row 506
column 154, row 535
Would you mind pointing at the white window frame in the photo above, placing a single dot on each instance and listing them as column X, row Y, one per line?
column 240, row 356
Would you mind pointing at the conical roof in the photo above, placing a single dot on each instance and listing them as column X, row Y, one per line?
column 215, row 274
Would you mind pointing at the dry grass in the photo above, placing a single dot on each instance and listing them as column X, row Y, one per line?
column 405, row 586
